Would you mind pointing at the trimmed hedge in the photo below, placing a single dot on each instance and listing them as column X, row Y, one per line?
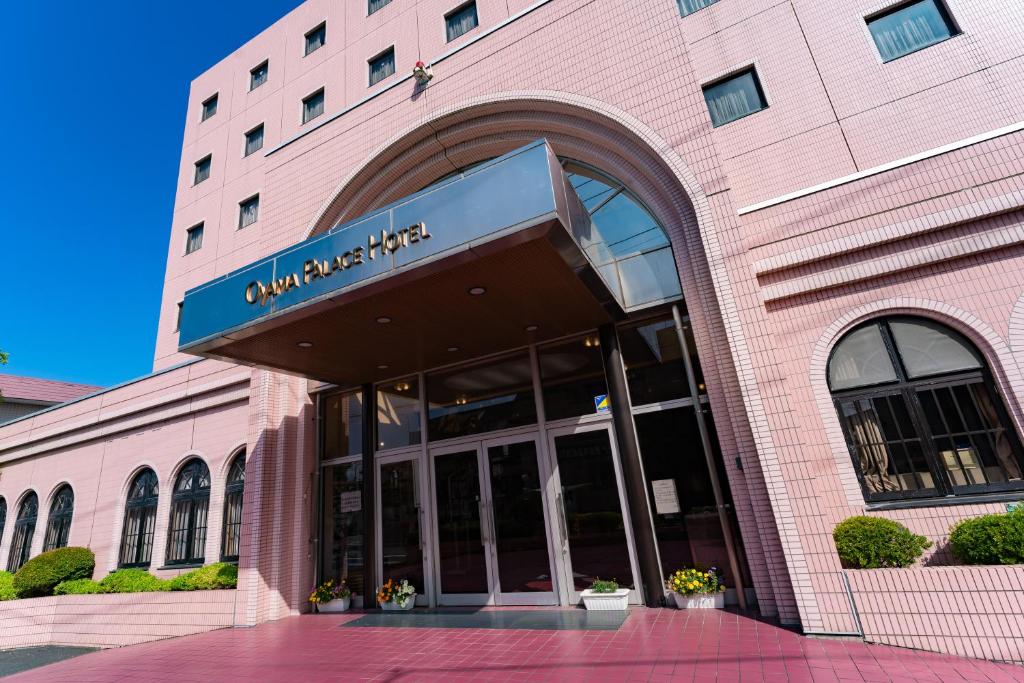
column 79, row 587
column 133, row 581
column 210, row 577
column 990, row 539
column 7, row 586
column 871, row 542
column 40, row 575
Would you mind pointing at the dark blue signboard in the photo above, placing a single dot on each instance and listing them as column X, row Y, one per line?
column 511, row 193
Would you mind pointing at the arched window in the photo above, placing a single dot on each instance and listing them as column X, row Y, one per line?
column 190, row 502
column 233, row 491
column 139, row 520
column 24, row 528
column 920, row 412
column 3, row 515
column 58, row 523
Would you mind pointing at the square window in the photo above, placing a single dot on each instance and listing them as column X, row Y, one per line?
column 203, row 169
column 374, row 5
column 910, row 27
column 194, row 239
column 316, row 38
column 460, row 21
column 258, row 75
column 313, row 106
column 254, row 140
column 210, row 107
column 248, row 211
column 734, row 97
column 691, row 6
column 382, row 66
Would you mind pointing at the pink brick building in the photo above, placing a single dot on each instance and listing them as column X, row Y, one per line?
column 661, row 285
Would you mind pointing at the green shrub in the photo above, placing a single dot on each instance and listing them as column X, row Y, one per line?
column 871, row 542
column 79, row 587
column 991, row 539
column 42, row 573
column 210, row 577
column 132, row 581
column 7, row 586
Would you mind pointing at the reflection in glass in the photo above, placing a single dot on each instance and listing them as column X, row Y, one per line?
column 571, row 375
column 400, row 523
column 689, row 533
column 342, row 552
column 520, row 537
column 860, row 359
column 930, row 349
column 654, row 362
column 463, row 565
column 593, row 516
column 343, row 425
column 398, row 414
column 482, row 398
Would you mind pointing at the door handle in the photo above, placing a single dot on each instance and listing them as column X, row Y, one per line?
column 561, row 520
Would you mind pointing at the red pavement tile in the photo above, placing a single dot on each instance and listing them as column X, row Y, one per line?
column 653, row 646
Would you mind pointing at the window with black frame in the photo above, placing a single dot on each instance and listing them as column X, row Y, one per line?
column 24, row 529
column 190, row 503
column 139, row 520
column 233, row 492
column 3, row 515
column 58, row 523
column 920, row 412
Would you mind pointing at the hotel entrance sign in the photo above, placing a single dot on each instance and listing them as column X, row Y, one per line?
column 514, row 199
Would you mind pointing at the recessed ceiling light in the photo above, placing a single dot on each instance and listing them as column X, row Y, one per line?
column 453, row 349
column 532, row 328
column 382, row 367
column 477, row 291
column 305, row 344
column 383, row 320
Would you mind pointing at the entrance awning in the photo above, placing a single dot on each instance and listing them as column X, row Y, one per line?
column 487, row 260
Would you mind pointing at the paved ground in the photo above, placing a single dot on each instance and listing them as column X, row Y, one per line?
column 652, row 645
column 13, row 661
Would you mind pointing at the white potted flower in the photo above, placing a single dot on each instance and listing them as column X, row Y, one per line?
column 396, row 595
column 605, row 595
column 697, row 589
column 331, row 596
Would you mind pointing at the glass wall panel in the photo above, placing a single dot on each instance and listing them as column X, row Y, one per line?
column 400, row 523
column 342, row 537
column 398, row 414
column 686, row 521
column 461, row 558
column 593, row 516
column 654, row 362
column 521, row 541
column 649, row 278
column 343, row 425
column 572, row 377
column 481, row 398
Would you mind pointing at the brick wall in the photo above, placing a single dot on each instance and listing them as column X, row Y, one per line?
column 113, row 620
column 969, row 611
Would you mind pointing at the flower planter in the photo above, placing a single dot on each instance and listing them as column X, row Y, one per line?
column 337, row 605
column 410, row 602
column 700, row 601
column 619, row 600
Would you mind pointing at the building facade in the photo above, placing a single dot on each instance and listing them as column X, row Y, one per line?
column 21, row 395
column 502, row 297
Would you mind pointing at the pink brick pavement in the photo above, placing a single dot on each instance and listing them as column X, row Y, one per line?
column 652, row 645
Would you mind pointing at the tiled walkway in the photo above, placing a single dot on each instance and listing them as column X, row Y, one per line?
column 652, row 645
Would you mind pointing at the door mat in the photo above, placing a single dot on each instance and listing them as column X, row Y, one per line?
column 540, row 620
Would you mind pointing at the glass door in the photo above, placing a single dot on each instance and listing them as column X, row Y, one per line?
column 400, row 522
column 492, row 542
column 595, row 542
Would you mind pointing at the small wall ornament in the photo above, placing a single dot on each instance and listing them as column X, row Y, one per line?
column 422, row 73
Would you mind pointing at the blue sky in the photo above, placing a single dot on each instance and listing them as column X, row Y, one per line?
column 92, row 107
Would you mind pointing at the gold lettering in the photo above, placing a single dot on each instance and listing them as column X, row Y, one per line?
column 253, row 292
column 373, row 244
column 309, row 271
column 357, row 256
column 414, row 233
column 393, row 241
column 423, row 231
